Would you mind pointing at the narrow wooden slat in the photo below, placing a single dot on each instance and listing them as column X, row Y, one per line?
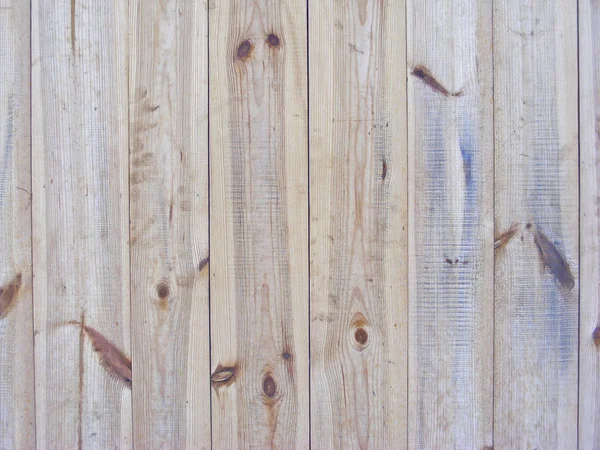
column 259, row 243
column 80, row 224
column 17, row 409
column 168, row 95
column 450, row 142
column 536, row 180
column 589, row 129
column 358, row 224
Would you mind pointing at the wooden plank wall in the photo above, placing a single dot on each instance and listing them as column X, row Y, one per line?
column 295, row 224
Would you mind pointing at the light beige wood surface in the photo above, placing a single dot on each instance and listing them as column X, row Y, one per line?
column 17, row 408
column 299, row 224
column 168, row 142
column 80, row 215
column 536, row 191
column 450, row 119
column 358, row 224
column 259, row 223
column 589, row 226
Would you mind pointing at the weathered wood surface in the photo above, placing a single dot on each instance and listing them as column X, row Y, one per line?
column 358, row 224
column 451, row 223
column 17, row 408
column 294, row 224
column 589, row 129
column 536, row 191
column 168, row 99
column 259, row 223
column 80, row 224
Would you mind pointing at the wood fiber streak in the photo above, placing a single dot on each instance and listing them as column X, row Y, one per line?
column 168, row 95
column 80, row 216
column 358, row 207
column 536, row 184
column 589, row 216
column 451, row 232
column 17, row 408
column 259, row 289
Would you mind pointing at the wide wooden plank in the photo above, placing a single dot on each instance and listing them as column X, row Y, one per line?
column 358, row 224
column 80, row 215
column 589, row 226
column 536, row 200
column 168, row 95
column 259, row 222
column 450, row 142
column 17, row 409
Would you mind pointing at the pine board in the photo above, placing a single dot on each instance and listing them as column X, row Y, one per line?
column 259, row 223
column 536, row 191
column 80, row 216
column 17, row 407
column 589, row 226
column 358, row 224
column 168, row 101
column 450, row 142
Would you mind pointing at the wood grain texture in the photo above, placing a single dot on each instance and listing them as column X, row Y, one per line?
column 80, row 215
column 450, row 141
column 168, row 94
column 536, row 180
column 358, row 224
column 589, row 226
column 17, row 408
column 259, row 221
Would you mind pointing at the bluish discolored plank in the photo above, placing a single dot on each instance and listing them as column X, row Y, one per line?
column 451, row 234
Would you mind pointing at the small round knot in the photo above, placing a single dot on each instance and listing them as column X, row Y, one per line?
column 273, row 40
column 361, row 336
column 244, row 50
column 269, row 386
column 163, row 290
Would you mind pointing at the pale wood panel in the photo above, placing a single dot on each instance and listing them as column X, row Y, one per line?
column 17, row 409
column 259, row 241
column 589, row 129
column 358, row 224
column 168, row 94
column 450, row 141
column 536, row 180
column 80, row 216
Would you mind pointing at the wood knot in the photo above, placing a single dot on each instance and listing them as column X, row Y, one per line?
column 223, row 376
column 286, row 356
column 359, row 327
column 163, row 290
column 244, row 50
column 273, row 41
column 269, row 385
column 596, row 336
column 361, row 336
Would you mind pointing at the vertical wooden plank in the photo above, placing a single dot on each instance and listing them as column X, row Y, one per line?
column 358, row 224
column 536, row 195
column 259, row 221
column 451, row 223
column 17, row 409
column 589, row 129
column 168, row 95
column 80, row 215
